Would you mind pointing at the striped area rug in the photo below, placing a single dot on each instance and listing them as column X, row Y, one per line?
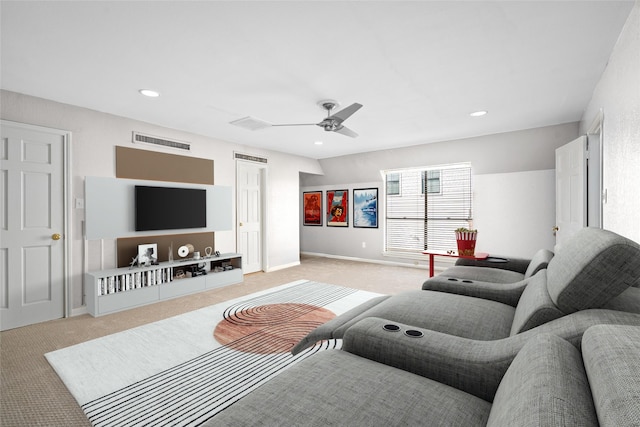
column 183, row 370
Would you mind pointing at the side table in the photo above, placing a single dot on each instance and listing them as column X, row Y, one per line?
column 452, row 254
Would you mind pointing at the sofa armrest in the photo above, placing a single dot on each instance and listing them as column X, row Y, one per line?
column 475, row 367
column 509, row 293
column 519, row 265
column 335, row 327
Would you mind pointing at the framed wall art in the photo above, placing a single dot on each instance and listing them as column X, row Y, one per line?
column 312, row 207
column 365, row 207
column 338, row 208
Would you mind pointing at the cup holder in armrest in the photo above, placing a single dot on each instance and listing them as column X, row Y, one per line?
column 413, row 333
column 453, row 279
column 391, row 328
column 496, row 259
column 467, row 281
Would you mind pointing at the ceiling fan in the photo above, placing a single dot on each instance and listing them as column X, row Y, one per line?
column 333, row 122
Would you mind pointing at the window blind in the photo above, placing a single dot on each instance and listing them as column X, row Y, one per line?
column 423, row 207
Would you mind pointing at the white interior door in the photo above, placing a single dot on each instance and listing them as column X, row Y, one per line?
column 32, row 219
column 571, row 188
column 249, row 215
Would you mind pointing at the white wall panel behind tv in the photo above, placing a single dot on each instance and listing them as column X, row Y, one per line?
column 110, row 205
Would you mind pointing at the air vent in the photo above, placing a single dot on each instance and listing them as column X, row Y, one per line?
column 148, row 139
column 251, row 123
column 250, row 158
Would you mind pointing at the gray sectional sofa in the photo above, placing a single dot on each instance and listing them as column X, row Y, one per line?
column 588, row 281
column 549, row 383
column 474, row 352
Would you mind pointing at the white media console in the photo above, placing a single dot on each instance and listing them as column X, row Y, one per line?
column 109, row 291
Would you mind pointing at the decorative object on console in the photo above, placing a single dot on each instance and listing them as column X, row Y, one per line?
column 148, row 254
column 466, row 241
column 185, row 250
column 208, row 251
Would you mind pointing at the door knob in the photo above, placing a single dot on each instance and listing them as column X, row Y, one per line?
column 241, row 224
column 555, row 228
column 56, row 236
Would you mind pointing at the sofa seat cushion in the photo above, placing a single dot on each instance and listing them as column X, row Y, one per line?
column 482, row 274
column 546, row 385
column 611, row 356
column 338, row 388
column 591, row 268
column 451, row 314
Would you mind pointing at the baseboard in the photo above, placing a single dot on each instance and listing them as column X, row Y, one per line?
column 79, row 311
column 282, row 267
column 415, row 264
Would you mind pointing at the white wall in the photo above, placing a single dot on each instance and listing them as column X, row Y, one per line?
column 94, row 137
column 618, row 95
column 515, row 212
column 513, row 181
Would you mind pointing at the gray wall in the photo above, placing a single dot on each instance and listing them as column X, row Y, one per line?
column 514, row 191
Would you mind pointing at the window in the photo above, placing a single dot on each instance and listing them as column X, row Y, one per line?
column 434, row 201
column 393, row 184
column 431, row 181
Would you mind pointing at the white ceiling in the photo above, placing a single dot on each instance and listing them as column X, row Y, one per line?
column 418, row 67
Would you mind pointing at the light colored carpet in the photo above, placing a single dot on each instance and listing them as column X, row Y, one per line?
column 173, row 372
column 32, row 394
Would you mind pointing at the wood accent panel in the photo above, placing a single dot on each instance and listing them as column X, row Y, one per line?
column 127, row 248
column 133, row 163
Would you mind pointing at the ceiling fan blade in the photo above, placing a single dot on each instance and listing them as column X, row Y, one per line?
column 296, row 124
column 346, row 131
column 345, row 113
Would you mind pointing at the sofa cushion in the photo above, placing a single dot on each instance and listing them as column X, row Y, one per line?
column 482, row 274
column 591, row 268
column 535, row 306
column 546, row 385
column 611, row 356
column 337, row 388
column 451, row 314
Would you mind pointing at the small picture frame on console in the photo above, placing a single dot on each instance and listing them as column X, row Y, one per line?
column 148, row 254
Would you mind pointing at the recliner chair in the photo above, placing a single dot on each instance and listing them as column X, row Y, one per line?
column 498, row 269
column 548, row 383
column 586, row 279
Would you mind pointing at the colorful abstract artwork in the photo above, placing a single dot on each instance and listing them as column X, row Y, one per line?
column 365, row 207
column 338, row 208
column 312, row 207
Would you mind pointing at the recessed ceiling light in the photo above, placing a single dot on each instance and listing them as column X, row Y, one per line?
column 478, row 113
column 150, row 93
column 318, row 143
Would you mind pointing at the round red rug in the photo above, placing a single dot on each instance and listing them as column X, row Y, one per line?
column 271, row 328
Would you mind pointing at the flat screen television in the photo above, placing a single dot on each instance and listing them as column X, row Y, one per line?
column 167, row 208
